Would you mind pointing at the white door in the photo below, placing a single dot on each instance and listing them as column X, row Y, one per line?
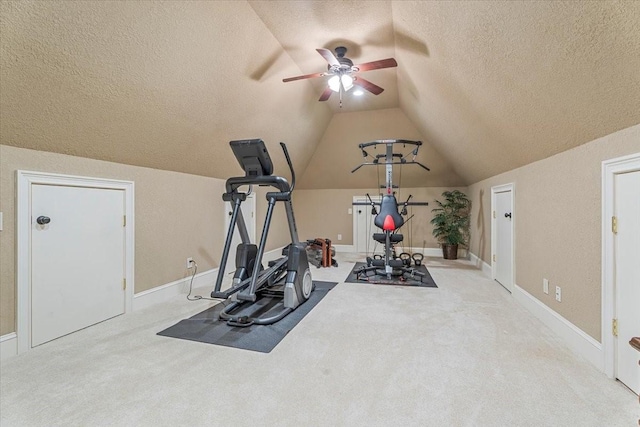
column 627, row 276
column 504, row 233
column 77, row 258
column 364, row 229
column 248, row 208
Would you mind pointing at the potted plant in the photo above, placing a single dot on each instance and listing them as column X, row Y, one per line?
column 451, row 222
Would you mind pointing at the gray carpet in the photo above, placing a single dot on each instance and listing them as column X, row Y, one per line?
column 465, row 354
column 425, row 282
column 206, row 326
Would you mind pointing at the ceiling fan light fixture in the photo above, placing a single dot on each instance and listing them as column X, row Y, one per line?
column 347, row 82
column 342, row 70
column 334, row 83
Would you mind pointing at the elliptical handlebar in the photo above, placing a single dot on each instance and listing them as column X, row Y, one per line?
column 286, row 194
column 293, row 173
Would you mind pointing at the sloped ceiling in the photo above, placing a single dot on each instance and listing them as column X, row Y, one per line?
column 490, row 86
column 338, row 154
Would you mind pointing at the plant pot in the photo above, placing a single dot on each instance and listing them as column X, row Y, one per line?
column 449, row 251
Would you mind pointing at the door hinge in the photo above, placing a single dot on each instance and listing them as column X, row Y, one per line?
column 614, row 327
column 124, row 220
column 494, row 257
column 494, row 214
column 124, row 284
column 614, row 225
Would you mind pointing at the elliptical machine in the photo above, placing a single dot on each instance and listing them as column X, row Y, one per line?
column 288, row 277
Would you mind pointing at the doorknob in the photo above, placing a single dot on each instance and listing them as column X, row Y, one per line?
column 42, row 220
column 507, row 215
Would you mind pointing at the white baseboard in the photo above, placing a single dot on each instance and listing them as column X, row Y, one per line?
column 575, row 338
column 434, row 252
column 168, row 291
column 344, row 248
column 486, row 268
column 8, row 346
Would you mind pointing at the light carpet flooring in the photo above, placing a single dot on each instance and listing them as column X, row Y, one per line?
column 464, row 354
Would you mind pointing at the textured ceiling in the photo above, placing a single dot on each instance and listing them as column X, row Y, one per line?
column 489, row 86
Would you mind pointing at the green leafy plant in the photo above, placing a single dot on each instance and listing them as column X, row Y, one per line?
column 451, row 220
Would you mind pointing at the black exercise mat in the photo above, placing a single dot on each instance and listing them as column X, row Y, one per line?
column 427, row 281
column 207, row 328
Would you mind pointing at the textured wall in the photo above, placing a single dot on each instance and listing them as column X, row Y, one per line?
column 324, row 213
column 176, row 216
column 503, row 84
column 557, row 218
column 158, row 84
column 490, row 86
column 338, row 153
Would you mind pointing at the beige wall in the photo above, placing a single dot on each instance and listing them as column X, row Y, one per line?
column 324, row 213
column 557, row 219
column 338, row 154
column 176, row 216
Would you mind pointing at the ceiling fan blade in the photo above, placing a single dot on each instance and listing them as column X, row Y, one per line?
column 326, row 94
column 306, row 76
column 329, row 57
column 366, row 84
column 376, row 65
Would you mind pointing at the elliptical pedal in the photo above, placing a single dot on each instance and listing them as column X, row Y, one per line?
column 242, row 321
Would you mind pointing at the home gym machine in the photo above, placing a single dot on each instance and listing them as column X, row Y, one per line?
column 287, row 278
column 389, row 218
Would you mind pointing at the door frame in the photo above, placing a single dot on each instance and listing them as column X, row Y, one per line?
column 24, row 181
column 610, row 168
column 494, row 231
column 360, row 199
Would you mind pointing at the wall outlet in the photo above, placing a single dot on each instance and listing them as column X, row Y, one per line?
column 558, row 294
column 190, row 262
column 349, row 211
column 545, row 286
column 339, row 236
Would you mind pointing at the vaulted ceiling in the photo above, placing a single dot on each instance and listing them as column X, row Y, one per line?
column 488, row 86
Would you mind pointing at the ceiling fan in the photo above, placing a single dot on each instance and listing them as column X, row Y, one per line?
column 343, row 73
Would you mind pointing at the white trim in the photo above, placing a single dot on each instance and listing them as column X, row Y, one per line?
column 502, row 189
column 8, row 346
column 359, row 199
column 431, row 252
column 575, row 338
column 169, row 291
column 24, row 181
column 486, row 268
column 609, row 169
column 344, row 248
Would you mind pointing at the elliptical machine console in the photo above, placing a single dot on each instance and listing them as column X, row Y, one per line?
column 288, row 277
